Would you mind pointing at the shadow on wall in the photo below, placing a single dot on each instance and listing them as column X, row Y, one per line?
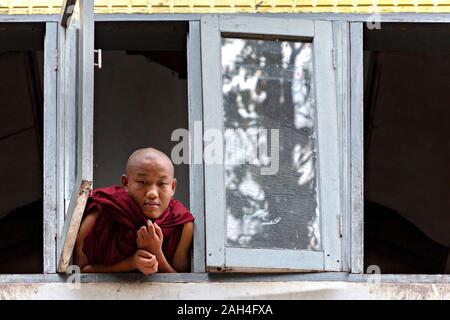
column 398, row 246
column 21, row 241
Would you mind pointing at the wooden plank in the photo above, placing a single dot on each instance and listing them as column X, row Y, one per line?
column 341, row 39
column 357, row 135
column 86, row 94
column 66, row 11
column 29, row 18
column 238, row 259
column 149, row 17
column 328, row 145
column 196, row 182
column 71, row 111
column 60, row 133
column 84, row 130
column 385, row 17
column 213, row 121
column 50, row 151
column 72, row 224
column 224, row 277
column 267, row 26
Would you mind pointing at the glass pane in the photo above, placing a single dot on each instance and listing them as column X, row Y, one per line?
column 270, row 148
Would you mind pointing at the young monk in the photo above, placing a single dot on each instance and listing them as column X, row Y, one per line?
column 137, row 226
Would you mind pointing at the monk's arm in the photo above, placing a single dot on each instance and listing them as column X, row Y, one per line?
column 182, row 259
column 125, row 265
column 141, row 260
column 80, row 258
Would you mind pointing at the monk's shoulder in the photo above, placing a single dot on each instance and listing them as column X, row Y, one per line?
column 188, row 229
column 88, row 222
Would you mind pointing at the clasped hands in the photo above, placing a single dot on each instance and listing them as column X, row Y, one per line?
column 149, row 240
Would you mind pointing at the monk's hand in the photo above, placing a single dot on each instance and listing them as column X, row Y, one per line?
column 145, row 262
column 88, row 269
column 150, row 238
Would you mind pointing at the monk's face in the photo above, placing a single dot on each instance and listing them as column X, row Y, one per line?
column 151, row 185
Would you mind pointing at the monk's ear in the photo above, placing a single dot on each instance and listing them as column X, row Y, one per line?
column 174, row 186
column 124, row 181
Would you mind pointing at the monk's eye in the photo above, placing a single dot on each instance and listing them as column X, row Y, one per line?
column 140, row 182
column 164, row 183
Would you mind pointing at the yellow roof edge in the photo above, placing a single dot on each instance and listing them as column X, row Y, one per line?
column 11, row 7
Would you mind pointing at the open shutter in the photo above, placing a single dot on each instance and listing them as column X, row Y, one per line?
column 272, row 190
column 75, row 121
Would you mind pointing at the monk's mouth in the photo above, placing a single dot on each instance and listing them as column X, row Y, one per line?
column 151, row 205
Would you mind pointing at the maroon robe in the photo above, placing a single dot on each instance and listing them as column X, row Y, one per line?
column 113, row 236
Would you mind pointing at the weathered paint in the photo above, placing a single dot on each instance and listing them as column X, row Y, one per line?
column 229, row 6
column 220, row 290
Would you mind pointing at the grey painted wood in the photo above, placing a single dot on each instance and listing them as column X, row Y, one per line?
column 329, row 16
column 85, row 98
column 60, row 133
column 268, row 25
column 148, row 17
column 70, row 117
column 213, row 122
column 274, row 259
column 86, row 94
column 196, row 178
column 224, row 278
column 328, row 145
column 328, row 149
column 29, row 18
column 67, row 51
column 341, row 38
column 356, row 145
column 385, row 17
column 50, row 150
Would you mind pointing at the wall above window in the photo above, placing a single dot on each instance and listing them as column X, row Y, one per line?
column 231, row 6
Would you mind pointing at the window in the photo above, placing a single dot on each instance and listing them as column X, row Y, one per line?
column 245, row 87
column 135, row 68
column 140, row 95
column 290, row 210
column 406, row 154
column 21, row 142
column 270, row 85
column 75, row 127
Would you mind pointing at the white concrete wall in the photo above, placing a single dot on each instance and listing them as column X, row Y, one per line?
column 219, row 290
column 138, row 103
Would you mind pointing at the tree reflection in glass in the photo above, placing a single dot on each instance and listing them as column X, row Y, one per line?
column 268, row 84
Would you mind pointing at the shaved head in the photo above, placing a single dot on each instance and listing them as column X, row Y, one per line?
column 149, row 181
column 146, row 156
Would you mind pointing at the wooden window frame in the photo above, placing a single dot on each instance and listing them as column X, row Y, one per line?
column 221, row 257
column 351, row 132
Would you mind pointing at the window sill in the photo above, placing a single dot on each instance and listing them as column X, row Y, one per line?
column 228, row 278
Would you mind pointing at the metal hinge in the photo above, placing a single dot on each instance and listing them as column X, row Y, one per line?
column 333, row 57
column 341, row 227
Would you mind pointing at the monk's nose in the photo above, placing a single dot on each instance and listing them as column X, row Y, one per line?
column 151, row 193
